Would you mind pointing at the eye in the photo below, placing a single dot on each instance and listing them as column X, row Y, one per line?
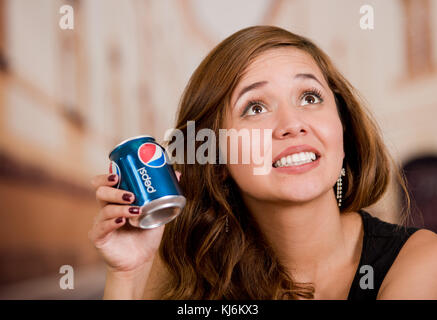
column 253, row 108
column 311, row 97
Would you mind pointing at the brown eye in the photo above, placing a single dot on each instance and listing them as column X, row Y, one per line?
column 311, row 99
column 254, row 108
column 257, row 109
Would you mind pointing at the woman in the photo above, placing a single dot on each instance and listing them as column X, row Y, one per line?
column 297, row 232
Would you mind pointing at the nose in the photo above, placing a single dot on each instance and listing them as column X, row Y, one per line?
column 290, row 124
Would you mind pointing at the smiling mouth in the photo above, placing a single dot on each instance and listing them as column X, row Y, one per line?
column 296, row 159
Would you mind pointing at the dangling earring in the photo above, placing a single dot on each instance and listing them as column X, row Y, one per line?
column 227, row 225
column 339, row 192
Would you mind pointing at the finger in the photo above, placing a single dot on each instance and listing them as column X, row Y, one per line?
column 104, row 180
column 113, row 211
column 103, row 229
column 178, row 175
column 113, row 195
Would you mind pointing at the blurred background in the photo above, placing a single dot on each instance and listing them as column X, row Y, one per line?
column 67, row 96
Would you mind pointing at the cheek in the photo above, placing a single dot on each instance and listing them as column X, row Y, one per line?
column 331, row 133
column 333, row 141
column 257, row 186
column 247, row 154
column 241, row 175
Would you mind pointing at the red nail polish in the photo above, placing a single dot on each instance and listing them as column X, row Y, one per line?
column 134, row 210
column 112, row 177
column 126, row 197
column 119, row 220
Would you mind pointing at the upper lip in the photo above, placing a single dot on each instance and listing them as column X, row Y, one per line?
column 297, row 149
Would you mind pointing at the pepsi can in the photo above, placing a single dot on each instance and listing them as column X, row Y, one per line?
column 142, row 168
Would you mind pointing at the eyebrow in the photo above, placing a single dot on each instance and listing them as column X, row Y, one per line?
column 308, row 76
column 258, row 84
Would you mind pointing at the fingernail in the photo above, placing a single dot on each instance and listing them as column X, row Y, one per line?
column 119, row 220
column 126, row 197
column 134, row 210
column 112, row 177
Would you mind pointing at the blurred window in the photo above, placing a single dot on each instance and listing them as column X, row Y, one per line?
column 418, row 44
column 421, row 175
column 69, row 52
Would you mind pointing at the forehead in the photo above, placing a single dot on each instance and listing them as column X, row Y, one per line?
column 288, row 60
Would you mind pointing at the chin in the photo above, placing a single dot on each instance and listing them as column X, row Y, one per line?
column 302, row 195
column 300, row 199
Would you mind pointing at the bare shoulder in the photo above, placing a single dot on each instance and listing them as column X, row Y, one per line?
column 157, row 278
column 413, row 274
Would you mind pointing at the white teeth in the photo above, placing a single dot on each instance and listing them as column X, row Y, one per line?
column 295, row 159
column 289, row 160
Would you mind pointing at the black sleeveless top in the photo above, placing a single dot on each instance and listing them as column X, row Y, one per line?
column 381, row 245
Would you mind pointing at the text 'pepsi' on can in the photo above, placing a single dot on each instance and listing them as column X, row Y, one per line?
column 142, row 168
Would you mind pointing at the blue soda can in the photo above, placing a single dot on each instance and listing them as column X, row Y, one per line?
column 142, row 168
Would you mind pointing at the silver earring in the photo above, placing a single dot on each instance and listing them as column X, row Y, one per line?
column 339, row 191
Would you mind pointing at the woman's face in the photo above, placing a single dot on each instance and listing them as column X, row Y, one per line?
column 292, row 98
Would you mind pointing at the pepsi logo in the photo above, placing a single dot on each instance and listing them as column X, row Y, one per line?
column 114, row 169
column 151, row 155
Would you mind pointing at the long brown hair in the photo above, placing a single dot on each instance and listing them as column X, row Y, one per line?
column 207, row 259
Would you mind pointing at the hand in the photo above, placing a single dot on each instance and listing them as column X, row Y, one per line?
column 123, row 247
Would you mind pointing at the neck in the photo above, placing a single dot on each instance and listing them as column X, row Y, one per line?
column 308, row 238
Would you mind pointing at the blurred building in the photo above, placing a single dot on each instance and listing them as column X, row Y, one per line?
column 68, row 96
